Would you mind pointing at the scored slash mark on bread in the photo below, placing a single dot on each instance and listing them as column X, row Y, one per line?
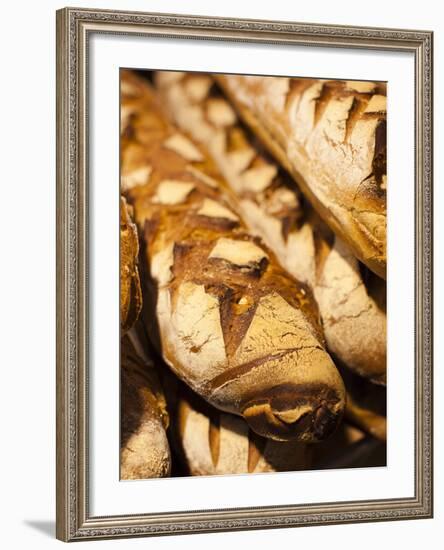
column 213, row 209
column 243, row 255
column 172, row 192
column 206, row 306
column 184, row 147
column 134, row 178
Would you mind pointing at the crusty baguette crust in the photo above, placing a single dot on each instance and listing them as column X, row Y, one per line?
column 211, row 442
column 331, row 136
column 144, row 448
column 130, row 290
column 353, row 313
column 232, row 324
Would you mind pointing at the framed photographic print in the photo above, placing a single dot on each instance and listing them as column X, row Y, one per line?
column 244, row 274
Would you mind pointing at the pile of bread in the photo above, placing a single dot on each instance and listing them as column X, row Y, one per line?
column 252, row 266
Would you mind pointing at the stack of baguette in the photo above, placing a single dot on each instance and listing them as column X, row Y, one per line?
column 260, row 208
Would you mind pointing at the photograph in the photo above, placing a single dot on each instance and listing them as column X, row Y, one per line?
column 244, row 336
column 225, row 245
column 253, row 262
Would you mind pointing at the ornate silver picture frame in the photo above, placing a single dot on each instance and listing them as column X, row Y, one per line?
column 74, row 518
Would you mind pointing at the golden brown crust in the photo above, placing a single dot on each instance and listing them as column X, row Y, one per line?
column 331, row 136
column 210, row 442
column 353, row 306
column 144, row 448
column 353, row 314
column 130, row 291
column 232, row 323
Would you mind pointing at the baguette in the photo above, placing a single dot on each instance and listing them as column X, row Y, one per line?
column 130, row 290
column 231, row 322
column 211, row 442
column 351, row 299
column 144, row 448
column 331, row 136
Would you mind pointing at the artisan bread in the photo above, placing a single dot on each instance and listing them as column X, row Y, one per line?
column 351, row 299
column 331, row 136
column 130, row 290
column 231, row 323
column 144, row 448
column 211, row 442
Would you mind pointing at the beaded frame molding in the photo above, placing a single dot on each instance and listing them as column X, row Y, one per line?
column 74, row 521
